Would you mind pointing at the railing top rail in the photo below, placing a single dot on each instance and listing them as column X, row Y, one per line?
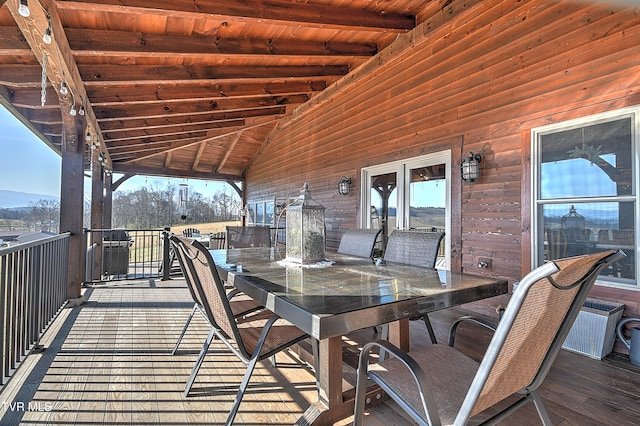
column 22, row 246
column 124, row 229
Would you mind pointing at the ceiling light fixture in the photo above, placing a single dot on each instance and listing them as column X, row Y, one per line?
column 64, row 89
column 23, row 9
column 46, row 37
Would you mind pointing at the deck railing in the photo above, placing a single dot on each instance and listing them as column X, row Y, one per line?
column 33, row 290
column 120, row 254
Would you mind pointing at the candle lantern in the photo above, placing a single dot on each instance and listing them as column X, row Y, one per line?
column 305, row 229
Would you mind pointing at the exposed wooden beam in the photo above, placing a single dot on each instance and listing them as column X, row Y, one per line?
column 227, row 154
column 133, row 123
column 163, row 109
column 86, row 42
column 125, row 142
column 160, row 130
column 165, row 73
column 167, row 172
column 167, row 160
column 196, row 160
column 322, row 16
column 124, row 92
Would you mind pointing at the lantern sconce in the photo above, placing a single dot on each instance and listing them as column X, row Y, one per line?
column 470, row 167
column 344, row 186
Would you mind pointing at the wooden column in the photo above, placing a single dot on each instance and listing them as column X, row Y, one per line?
column 107, row 207
column 72, row 198
column 97, row 201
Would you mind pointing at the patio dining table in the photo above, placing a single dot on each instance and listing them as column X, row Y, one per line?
column 343, row 294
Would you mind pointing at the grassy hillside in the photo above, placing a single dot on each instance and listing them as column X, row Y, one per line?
column 205, row 228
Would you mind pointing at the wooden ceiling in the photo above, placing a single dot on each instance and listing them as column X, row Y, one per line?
column 187, row 88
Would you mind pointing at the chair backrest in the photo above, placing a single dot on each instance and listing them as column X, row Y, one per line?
column 211, row 291
column 358, row 242
column 217, row 240
column 418, row 248
column 179, row 249
column 557, row 244
column 248, row 236
column 532, row 330
column 191, row 232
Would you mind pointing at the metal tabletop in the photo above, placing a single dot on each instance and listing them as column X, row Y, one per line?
column 346, row 293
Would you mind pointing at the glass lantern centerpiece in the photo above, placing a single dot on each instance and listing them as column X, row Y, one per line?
column 573, row 224
column 305, row 230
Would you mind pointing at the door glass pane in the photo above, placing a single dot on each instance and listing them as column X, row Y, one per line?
column 582, row 228
column 427, row 197
column 384, row 203
column 260, row 214
column 590, row 161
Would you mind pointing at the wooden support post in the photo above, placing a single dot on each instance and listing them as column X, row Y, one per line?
column 107, row 207
column 97, row 201
column 72, row 198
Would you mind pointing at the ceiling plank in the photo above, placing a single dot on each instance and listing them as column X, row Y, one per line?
column 272, row 12
column 87, row 42
column 12, row 42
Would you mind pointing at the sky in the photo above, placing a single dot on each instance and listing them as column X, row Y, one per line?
column 27, row 164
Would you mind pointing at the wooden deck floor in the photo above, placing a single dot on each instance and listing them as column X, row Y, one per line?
column 108, row 362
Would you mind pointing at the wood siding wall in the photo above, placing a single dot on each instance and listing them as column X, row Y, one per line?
column 473, row 76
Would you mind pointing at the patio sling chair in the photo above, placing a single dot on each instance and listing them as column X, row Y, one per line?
column 252, row 338
column 358, row 242
column 248, row 236
column 191, row 232
column 241, row 304
column 417, row 248
column 440, row 385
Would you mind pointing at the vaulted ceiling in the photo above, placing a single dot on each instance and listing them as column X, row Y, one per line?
column 188, row 88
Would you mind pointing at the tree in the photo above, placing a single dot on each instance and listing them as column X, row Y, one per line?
column 44, row 215
column 156, row 207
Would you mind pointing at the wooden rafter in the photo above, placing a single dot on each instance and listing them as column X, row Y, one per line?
column 270, row 11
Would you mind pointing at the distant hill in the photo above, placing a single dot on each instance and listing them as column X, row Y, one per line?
column 13, row 199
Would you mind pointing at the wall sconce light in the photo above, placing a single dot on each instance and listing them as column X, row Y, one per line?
column 344, row 186
column 470, row 167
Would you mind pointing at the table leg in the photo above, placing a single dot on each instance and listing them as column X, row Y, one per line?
column 399, row 334
column 330, row 406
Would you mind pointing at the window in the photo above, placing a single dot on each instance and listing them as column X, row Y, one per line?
column 585, row 185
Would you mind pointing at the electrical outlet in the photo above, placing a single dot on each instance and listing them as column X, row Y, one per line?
column 484, row 263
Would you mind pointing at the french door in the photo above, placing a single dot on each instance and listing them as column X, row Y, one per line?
column 410, row 194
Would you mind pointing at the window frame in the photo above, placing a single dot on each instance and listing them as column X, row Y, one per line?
column 633, row 113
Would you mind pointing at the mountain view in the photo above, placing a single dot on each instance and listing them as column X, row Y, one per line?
column 13, row 199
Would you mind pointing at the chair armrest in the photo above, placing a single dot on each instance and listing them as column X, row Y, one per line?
column 428, row 401
column 454, row 327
